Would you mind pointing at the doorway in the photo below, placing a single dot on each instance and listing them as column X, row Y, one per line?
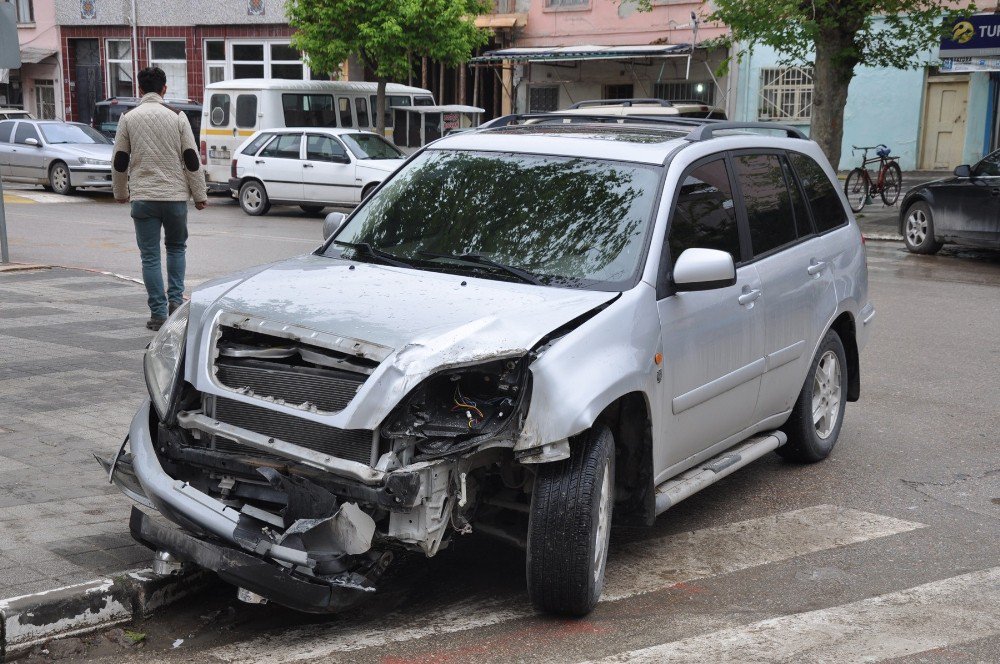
column 87, row 84
column 945, row 106
column 45, row 99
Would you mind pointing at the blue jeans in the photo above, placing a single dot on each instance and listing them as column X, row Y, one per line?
column 148, row 217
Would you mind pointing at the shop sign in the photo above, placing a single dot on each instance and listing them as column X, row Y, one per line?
column 972, row 36
column 950, row 65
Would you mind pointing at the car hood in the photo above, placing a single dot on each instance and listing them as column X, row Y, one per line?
column 92, row 150
column 384, row 165
column 426, row 320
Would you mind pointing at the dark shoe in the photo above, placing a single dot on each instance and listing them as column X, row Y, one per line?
column 173, row 306
column 155, row 323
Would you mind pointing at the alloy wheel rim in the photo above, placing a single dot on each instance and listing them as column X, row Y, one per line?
column 826, row 394
column 59, row 177
column 916, row 227
column 602, row 535
column 251, row 198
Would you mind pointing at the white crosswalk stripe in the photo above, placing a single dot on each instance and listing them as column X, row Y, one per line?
column 934, row 615
column 635, row 569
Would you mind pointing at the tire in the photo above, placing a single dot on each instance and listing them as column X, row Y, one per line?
column 253, row 198
column 59, row 179
column 367, row 191
column 893, row 184
column 856, row 190
column 918, row 229
column 811, row 436
column 569, row 526
column 312, row 209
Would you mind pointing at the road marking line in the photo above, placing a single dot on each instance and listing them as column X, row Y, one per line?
column 14, row 198
column 935, row 615
column 634, row 569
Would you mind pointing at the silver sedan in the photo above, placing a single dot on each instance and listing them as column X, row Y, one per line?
column 55, row 154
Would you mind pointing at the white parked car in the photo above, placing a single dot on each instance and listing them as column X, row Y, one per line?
column 310, row 167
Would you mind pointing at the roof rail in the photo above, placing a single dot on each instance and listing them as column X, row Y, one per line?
column 707, row 130
column 614, row 119
column 620, row 102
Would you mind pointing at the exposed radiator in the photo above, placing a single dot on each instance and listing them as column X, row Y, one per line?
column 327, row 389
column 351, row 444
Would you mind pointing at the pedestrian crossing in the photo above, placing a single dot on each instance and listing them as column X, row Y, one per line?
column 948, row 611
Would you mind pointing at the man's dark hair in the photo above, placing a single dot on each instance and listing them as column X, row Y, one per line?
column 152, row 79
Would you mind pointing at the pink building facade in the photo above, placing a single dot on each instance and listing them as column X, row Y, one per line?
column 36, row 86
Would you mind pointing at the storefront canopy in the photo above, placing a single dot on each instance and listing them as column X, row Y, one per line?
column 570, row 53
column 30, row 56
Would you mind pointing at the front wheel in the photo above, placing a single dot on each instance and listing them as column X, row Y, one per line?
column 253, row 198
column 59, row 179
column 856, row 189
column 814, row 425
column 569, row 526
column 918, row 229
column 892, row 184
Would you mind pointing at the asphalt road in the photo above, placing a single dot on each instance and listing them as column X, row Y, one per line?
column 887, row 551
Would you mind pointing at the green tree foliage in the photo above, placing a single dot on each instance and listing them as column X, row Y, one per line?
column 835, row 36
column 387, row 35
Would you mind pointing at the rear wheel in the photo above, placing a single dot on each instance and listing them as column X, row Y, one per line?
column 818, row 413
column 856, row 189
column 918, row 229
column 569, row 526
column 893, row 183
column 311, row 209
column 59, row 179
column 253, row 198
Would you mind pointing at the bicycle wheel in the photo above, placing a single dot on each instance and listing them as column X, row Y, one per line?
column 892, row 184
column 856, row 189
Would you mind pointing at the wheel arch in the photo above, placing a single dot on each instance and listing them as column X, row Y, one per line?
column 845, row 327
column 629, row 419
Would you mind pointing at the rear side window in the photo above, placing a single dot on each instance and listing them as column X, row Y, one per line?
column 218, row 116
column 24, row 132
column 828, row 211
column 286, row 146
column 802, row 222
column 768, row 205
column 255, row 144
column 704, row 215
column 246, row 111
column 6, row 128
column 308, row 110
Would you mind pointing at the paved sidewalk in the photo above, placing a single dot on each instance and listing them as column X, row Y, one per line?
column 71, row 347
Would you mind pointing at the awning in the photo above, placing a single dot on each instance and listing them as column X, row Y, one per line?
column 30, row 56
column 589, row 52
column 501, row 20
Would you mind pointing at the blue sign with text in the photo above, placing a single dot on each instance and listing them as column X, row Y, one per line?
column 975, row 35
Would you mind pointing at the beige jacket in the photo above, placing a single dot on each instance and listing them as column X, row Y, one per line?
column 155, row 156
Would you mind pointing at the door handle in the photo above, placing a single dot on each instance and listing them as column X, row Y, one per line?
column 258, row 161
column 815, row 267
column 307, row 165
column 749, row 295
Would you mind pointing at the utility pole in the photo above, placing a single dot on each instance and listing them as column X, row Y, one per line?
column 10, row 58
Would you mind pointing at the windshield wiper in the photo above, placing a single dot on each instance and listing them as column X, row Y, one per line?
column 366, row 249
column 478, row 259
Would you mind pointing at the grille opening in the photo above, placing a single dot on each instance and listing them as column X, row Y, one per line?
column 237, row 343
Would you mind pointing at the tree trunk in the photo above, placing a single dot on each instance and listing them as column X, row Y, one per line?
column 832, row 75
column 380, row 105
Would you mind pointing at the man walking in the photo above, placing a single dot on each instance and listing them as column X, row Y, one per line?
column 156, row 167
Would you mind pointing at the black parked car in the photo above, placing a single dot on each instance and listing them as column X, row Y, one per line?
column 964, row 209
column 108, row 112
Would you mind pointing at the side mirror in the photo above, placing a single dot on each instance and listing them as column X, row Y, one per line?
column 963, row 171
column 333, row 223
column 703, row 269
column 31, row 141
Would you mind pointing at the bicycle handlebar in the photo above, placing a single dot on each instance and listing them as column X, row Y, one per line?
column 870, row 147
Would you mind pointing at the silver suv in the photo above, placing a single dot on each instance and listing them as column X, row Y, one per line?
column 533, row 332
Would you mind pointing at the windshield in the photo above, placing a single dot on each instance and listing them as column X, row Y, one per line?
column 71, row 133
column 565, row 221
column 371, row 146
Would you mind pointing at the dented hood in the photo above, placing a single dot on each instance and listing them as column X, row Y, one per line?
column 428, row 319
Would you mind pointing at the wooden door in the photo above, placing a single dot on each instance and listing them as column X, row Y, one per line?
column 944, row 123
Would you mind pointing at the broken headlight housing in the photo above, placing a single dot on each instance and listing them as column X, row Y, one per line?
column 162, row 363
column 454, row 410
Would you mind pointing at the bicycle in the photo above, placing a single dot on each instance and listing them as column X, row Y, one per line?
column 861, row 186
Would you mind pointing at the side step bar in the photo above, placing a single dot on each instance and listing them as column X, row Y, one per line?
column 690, row 482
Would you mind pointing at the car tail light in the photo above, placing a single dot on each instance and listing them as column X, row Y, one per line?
column 204, row 153
column 232, row 169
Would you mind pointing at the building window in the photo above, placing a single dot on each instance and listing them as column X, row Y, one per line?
column 625, row 91
column 543, row 98
column 286, row 62
column 702, row 91
column 23, row 11
column 120, row 68
column 215, row 60
column 786, row 94
column 45, row 99
column 267, row 60
column 169, row 55
column 567, row 3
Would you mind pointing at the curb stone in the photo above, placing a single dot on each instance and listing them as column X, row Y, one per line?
column 29, row 620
